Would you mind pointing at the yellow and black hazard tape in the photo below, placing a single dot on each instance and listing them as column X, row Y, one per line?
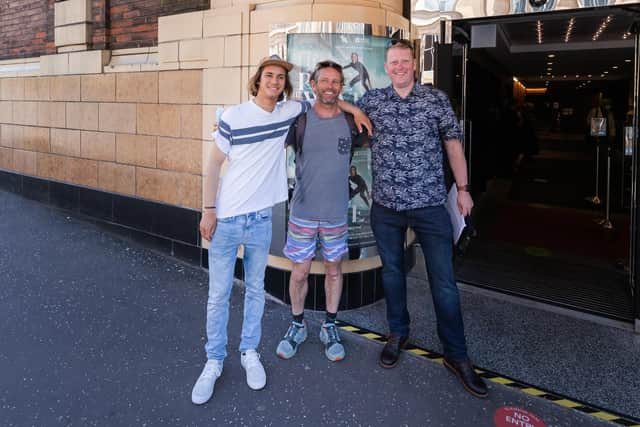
column 558, row 399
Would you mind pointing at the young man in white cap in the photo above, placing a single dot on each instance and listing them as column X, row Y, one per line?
column 237, row 211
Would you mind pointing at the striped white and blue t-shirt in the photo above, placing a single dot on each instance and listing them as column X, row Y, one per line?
column 253, row 140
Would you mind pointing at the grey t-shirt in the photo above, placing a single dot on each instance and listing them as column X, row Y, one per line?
column 322, row 170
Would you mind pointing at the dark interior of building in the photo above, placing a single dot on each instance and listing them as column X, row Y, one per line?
column 553, row 196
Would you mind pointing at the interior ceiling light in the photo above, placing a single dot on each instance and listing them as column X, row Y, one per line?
column 603, row 26
column 551, row 55
column 549, row 68
column 570, row 25
column 539, row 31
column 549, row 63
column 627, row 60
column 605, row 72
column 626, row 35
column 615, row 67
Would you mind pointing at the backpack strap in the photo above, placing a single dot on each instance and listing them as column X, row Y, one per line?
column 295, row 137
column 301, row 124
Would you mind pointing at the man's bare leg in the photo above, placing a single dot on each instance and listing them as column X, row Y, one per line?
column 297, row 332
column 334, row 350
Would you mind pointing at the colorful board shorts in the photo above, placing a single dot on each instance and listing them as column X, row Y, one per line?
column 303, row 236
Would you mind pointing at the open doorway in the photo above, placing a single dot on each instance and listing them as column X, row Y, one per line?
column 553, row 194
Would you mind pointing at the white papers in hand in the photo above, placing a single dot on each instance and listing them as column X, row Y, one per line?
column 457, row 220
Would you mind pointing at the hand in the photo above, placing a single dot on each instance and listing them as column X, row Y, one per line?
column 465, row 203
column 208, row 224
column 362, row 120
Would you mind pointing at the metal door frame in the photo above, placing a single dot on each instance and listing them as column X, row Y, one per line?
column 446, row 37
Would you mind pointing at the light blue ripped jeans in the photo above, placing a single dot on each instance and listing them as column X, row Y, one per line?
column 253, row 231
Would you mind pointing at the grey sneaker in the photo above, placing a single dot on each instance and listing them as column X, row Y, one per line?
column 203, row 389
column 295, row 336
column 333, row 348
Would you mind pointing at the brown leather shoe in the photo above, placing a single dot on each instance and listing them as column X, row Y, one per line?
column 467, row 376
column 391, row 351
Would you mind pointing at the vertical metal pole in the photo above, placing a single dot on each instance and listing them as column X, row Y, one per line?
column 596, row 199
column 633, row 229
column 607, row 220
column 463, row 107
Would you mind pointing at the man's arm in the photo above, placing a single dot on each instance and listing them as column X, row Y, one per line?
column 359, row 116
column 212, row 175
column 459, row 168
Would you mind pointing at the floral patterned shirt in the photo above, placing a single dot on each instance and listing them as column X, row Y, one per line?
column 406, row 148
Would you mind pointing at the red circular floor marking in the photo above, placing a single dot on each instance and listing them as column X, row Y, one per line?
column 510, row 416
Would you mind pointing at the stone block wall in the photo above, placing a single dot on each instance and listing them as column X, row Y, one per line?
column 137, row 121
column 138, row 134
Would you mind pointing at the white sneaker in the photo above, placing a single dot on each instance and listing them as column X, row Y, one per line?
column 256, row 376
column 203, row 389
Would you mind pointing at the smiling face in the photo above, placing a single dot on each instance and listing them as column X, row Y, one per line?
column 327, row 85
column 400, row 67
column 272, row 82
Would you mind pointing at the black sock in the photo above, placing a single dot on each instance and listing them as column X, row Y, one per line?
column 298, row 318
column 331, row 317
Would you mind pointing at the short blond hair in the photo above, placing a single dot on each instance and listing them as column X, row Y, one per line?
column 254, row 84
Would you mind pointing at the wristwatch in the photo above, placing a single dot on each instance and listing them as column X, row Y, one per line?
column 465, row 187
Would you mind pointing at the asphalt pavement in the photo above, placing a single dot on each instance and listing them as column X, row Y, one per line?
column 97, row 330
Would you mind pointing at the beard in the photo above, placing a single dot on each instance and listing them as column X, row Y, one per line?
column 327, row 99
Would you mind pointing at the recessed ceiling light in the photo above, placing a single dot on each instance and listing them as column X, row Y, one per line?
column 615, row 67
column 549, row 68
column 588, row 75
column 577, row 76
column 551, row 55
column 605, row 72
column 627, row 60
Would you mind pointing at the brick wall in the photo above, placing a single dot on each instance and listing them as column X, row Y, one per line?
column 122, row 24
column 26, row 28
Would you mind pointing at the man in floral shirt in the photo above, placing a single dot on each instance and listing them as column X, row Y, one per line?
column 412, row 124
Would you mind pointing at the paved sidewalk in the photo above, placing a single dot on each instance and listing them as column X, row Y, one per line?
column 95, row 330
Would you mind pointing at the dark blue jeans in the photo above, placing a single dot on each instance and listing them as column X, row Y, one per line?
column 432, row 227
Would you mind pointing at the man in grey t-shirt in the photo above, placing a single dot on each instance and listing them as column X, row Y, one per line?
column 319, row 209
